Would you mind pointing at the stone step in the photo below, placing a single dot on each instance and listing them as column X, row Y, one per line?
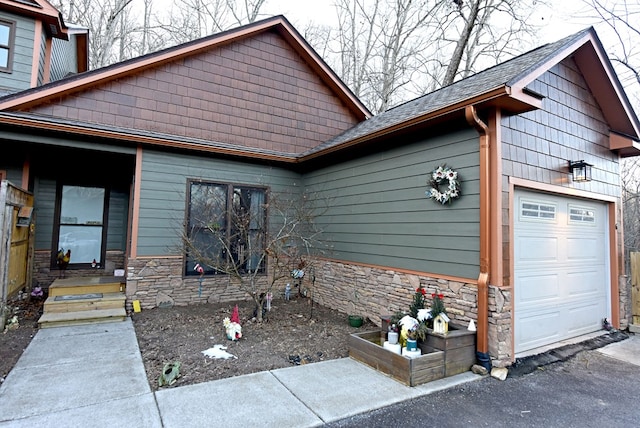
column 84, row 302
column 81, row 317
column 85, row 285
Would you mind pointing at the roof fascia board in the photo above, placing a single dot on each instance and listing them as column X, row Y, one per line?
column 141, row 139
column 544, row 66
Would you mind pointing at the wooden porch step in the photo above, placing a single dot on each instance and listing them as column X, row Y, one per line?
column 84, row 302
column 85, row 285
column 81, row 317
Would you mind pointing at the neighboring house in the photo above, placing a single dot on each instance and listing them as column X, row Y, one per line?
column 36, row 47
column 116, row 157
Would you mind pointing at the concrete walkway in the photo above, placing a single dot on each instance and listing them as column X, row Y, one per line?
column 93, row 375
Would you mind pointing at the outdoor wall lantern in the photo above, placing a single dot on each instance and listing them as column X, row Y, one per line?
column 580, row 170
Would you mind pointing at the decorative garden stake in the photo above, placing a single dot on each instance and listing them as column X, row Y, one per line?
column 200, row 270
column 269, row 297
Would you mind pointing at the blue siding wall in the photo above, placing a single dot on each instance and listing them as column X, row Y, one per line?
column 164, row 190
column 20, row 77
column 63, row 58
column 379, row 213
column 41, row 59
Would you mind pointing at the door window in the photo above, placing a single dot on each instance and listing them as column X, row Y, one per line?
column 81, row 223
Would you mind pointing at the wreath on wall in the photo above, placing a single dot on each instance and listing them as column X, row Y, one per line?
column 445, row 186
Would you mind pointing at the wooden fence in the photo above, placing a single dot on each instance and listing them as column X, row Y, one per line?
column 16, row 209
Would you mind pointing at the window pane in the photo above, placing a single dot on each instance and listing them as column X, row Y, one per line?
column 207, row 206
column 84, row 242
column 82, row 205
column 4, row 34
column 207, row 226
column 4, row 58
column 213, row 222
column 247, row 240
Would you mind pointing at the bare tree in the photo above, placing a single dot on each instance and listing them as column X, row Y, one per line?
column 192, row 19
column 480, row 36
column 109, row 24
column 377, row 46
column 244, row 248
column 620, row 24
column 390, row 51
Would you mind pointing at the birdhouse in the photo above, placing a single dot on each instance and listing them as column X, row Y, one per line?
column 441, row 323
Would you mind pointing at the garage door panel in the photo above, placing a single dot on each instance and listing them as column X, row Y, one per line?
column 536, row 329
column 532, row 248
column 560, row 266
column 584, row 249
column 537, row 289
column 584, row 283
column 582, row 320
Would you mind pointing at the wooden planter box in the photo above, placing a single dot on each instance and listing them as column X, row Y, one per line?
column 459, row 347
column 365, row 347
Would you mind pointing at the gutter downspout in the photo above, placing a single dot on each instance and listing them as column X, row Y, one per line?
column 482, row 344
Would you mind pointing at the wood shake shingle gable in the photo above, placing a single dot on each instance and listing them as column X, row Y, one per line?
column 259, row 87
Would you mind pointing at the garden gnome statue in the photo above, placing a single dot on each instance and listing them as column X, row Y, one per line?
column 232, row 326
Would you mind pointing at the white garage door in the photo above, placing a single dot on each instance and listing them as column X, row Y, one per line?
column 561, row 268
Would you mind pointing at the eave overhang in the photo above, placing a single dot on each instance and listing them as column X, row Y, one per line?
column 133, row 138
column 54, row 24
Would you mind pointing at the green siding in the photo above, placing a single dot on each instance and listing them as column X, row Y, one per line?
column 164, row 189
column 44, row 207
column 379, row 214
column 118, row 215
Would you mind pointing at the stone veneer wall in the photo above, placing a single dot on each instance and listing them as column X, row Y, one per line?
column 43, row 275
column 373, row 292
column 158, row 281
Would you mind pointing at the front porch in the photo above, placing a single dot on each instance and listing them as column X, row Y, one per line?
column 84, row 300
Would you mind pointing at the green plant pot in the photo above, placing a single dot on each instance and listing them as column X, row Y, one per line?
column 355, row 320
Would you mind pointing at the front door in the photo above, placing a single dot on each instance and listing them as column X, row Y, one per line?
column 82, row 224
